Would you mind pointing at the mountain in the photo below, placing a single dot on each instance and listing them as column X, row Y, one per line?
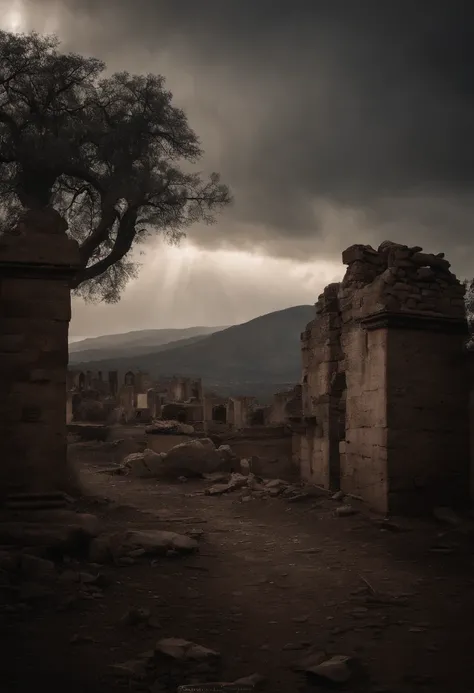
column 133, row 343
column 241, row 359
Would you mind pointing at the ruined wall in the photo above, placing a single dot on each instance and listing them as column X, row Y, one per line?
column 385, row 376
column 271, row 449
column 184, row 389
column 284, row 406
column 403, row 314
column 323, row 387
column 239, row 411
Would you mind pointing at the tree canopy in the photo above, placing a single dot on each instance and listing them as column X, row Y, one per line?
column 112, row 154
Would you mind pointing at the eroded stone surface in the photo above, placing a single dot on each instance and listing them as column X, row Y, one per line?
column 385, row 383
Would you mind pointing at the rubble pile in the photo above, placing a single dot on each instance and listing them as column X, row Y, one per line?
column 252, row 486
column 174, row 662
column 162, row 427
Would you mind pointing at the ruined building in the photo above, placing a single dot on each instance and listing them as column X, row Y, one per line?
column 385, row 393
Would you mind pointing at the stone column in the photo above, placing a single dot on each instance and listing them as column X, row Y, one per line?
column 407, row 429
column 37, row 261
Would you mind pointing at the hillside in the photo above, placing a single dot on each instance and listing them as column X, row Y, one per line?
column 127, row 351
column 264, row 351
column 133, row 343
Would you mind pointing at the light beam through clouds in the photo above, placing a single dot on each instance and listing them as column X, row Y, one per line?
column 187, row 286
column 333, row 122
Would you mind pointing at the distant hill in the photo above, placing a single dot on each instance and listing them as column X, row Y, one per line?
column 256, row 355
column 133, row 343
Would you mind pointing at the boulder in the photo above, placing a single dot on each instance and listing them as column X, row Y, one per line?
column 146, row 464
column 185, row 429
column 229, row 460
column 192, row 459
column 245, row 467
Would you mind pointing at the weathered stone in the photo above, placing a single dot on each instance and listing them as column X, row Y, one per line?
column 229, row 460
column 219, row 489
column 37, row 261
column 153, row 542
column 312, row 659
column 345, row 511
column 145, row 465
column 368, row 372
column 182, row 650
column 192, row 459
column 337, row 670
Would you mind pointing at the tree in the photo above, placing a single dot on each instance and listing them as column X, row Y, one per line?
column 111, row 154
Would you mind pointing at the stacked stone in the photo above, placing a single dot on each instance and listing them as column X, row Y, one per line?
column 397, row 278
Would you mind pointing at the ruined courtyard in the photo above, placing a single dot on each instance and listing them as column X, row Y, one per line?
column 156, row 535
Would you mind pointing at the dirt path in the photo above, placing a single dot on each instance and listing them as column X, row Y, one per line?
column 271, row 579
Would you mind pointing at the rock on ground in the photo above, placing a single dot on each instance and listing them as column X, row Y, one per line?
column 184, row 650
column 138, row 543
column 229, row 460
column 146, row 464
column 193, row 459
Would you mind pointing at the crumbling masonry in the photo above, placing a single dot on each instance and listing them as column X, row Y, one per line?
column 385, row 385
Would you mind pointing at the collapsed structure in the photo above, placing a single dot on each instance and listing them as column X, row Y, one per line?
column 385, row 393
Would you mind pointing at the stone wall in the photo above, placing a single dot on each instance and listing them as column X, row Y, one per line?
column 284, row 406
column 385, row 394
column 271, row 448
column 182, row 389
column 323, row 391
column 239, row 411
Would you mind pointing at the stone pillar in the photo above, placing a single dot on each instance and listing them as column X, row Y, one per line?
column 404, row 329
column 37, row 261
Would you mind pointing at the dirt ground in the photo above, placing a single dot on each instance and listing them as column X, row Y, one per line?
column 271, row 579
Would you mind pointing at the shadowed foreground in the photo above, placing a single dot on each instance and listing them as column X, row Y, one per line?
column 272, row 580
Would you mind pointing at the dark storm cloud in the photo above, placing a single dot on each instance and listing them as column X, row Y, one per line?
column 361, row 106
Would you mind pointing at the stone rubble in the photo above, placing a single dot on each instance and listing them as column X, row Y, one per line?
column 328, row 671
column 252, row 487
column 163, row 427
column 177, row 662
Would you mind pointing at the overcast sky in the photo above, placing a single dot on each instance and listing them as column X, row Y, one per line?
column 334, row 122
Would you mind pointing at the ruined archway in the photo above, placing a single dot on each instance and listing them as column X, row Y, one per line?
column 129, row 378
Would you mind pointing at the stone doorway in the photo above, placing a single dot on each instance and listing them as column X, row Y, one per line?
column 219, row 414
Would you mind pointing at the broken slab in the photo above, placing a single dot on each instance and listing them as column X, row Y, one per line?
column 185, row 650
